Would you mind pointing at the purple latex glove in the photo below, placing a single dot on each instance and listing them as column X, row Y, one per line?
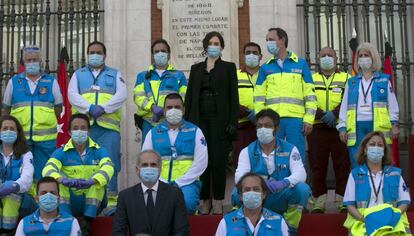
column 7, row 188
column 96, row 111
column 157, row 110
column 86, row 183
column 71, row 183
column 277, row 185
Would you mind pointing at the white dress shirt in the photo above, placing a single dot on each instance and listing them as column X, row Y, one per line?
column 26, row 174
column 82, row 105
column 298, row 172
column 75, row 230
column 200, row 156
column 8, row 93
column 154, row 192
column 222, row 227
column 364, row 110
column 403, row 194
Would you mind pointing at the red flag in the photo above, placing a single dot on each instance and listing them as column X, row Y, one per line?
column 63, row 119
column 20, row 68
column 395, row 152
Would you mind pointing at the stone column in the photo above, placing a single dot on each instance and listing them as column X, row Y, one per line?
column 127, row 35
column 265, row 14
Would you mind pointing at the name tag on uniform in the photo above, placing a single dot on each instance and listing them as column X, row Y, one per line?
column 95, row 87
column 336, row 90
column 365, row 108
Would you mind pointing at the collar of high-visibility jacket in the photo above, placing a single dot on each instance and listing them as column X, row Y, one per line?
column 69, row 145
column 291, row 55
column 169, row 67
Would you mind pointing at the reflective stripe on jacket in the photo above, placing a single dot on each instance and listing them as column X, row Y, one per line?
column 152, row 89
column 178, row 157
column 282, row 155
column 289, row 90
column 35, row 112
column 381, row 116
column 98, row 91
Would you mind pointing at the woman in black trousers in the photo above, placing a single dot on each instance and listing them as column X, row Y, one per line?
column 212, row 103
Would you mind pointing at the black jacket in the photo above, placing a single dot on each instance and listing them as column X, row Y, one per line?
column 169, row 218
column 224, row 83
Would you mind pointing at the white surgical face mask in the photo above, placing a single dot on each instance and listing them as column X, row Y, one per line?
column 174, row 116
column 365, row 63
column 265, row 135
column 327, row 63
column 252, row 60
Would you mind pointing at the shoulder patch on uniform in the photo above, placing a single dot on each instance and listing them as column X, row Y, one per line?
column 203, row 141
column 405, row 189
column 122, row 80
column 296, row 70
column 296, row 156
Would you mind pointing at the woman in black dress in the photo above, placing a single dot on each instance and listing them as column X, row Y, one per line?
column 212, row 103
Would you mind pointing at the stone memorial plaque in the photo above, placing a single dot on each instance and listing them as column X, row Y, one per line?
column 186, row 22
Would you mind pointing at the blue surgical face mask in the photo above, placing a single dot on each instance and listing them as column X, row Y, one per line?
column 252, row 200
column 95, row 60
column 327, row 63
column 161, row 58
column 79, row 136
column 252, row 60
column 272, row 47
column 149, row 174
column 8, row 136
column 265, row 135
column 365, row 63
column 32, row 68
column 375, row 153
column 213, row 51
column 48, row 202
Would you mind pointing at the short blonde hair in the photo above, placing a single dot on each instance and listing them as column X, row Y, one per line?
column 376, row 60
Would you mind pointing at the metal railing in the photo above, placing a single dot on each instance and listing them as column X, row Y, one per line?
column 331, row 23
column 50, row 25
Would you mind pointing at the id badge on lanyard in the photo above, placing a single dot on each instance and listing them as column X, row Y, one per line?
column 173, row 157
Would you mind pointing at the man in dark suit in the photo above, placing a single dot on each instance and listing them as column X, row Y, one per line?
column 150, row 207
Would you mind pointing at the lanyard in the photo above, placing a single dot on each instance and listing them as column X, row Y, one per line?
column 376, row 191
column 152, row 91
column 93, row 76
column 365, row 93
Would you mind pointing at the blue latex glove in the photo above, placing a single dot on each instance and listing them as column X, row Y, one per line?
column 91, row 108
column 7, row 188
column 71, row 183
column 85, row 183
column 252, row 117
column 277, row 185
column 329, row 118
column 97, row 111
column 157, row 110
